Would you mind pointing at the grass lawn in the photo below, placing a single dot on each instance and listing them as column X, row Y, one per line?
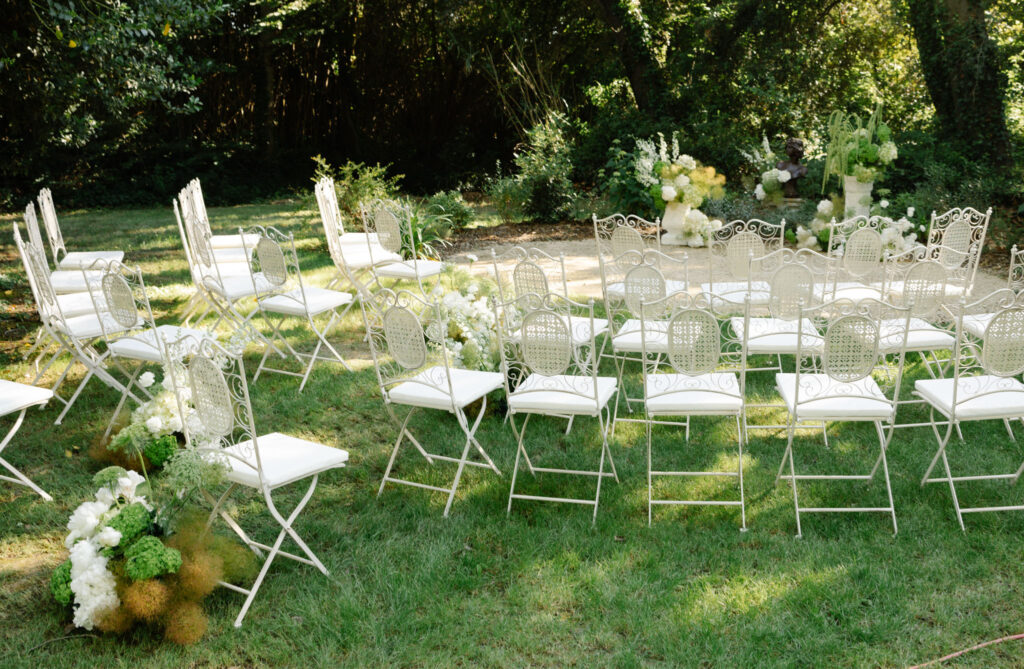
column 542, row 586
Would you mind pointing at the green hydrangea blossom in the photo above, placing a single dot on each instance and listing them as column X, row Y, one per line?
column 149, row 558
column 107, row 477
column 60, row 583
column 160, row 450
column 132, row 521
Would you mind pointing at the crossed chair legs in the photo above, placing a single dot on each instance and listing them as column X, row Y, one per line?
column 467, row 429
column 311, row 358
column 605, row 423
column 880, row 462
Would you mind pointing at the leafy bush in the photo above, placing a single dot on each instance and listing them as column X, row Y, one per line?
column 451, row 204
column 617, row 183
column 507, row 195
column 429, row 227
column 545, row 167
column 357, row 182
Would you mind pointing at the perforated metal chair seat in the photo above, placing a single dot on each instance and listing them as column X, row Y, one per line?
column 429, row 389
column 851, row 401
column 284, row 459
column 318, row 301
column 558, row 395
column 144, row 346
column 998, row 397
column 82, row 259
column 778, row 336
column 684, row 395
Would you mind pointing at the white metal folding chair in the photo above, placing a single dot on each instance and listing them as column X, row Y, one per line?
column 984, row 386
column 131, row 333
column 615, row 237
column 387, row 227
column 265, row 463
column 860, row 272
column 61, row 258
column 277, row 263
column 956, row 240
column 846, row 389
column 414, row 371
column 545, row 372
column 732, row 247
column 63, row 281
column 696, row 368
column 19, row 398
column 75, row 335
column 975, row 324
column 197, row 204
column 923, row 291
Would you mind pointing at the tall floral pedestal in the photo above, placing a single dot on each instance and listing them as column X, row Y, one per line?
column 858, row 196
column 673, row 223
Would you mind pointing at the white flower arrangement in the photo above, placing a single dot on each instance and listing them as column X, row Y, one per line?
column 673, row 176
column 471, row 339
column 698, row 228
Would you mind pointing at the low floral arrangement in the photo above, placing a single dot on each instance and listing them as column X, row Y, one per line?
column 471, row 339
column 672, row 176
column 898, row 235
column 858, row 149
column 816, row 235
column 769, row 189
column 131, row 565
column 698, row 228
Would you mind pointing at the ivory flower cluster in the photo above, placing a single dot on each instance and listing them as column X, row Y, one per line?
column 672, row 176
column 698, row 228
column 471, row 339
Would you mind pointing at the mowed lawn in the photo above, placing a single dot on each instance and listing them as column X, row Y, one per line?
column 542, row 586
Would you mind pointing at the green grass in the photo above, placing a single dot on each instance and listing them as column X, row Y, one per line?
column 541, row 587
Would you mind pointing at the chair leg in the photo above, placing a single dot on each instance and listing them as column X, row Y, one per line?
column 18, row 476
column 792, row 474
column 515, row 470
column 883, row 444
column 743, row 501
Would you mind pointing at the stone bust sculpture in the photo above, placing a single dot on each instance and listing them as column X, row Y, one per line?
column 795, row 151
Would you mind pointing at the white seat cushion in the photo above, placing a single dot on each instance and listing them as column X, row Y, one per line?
column 629, row 339
column 82, row 259
column 358, row 240
column 284, row 459
column 617, row 289
column 234, row 241
column 682, row 395
column 410, row 269
column 922, row 336
column 232, row 255
column 859, row 400
column 734, row 292
column 78, row 304
column 976, row 324
column 88, row 326
column 848, row 290
column 359, row 256
column 429, row 388
column 579, row 330
column 561, row 395
column 778, row 336
column 238, row 287
column 17, row 396
column 993, row 396
column 318, row 300
column 73, row 280
column 143, row 345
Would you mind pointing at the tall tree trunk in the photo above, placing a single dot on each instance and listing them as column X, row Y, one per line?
column 633, row 40
column 962, row 71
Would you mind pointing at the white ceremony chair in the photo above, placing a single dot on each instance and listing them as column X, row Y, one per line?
column 19, row 398
column 616, row 236
column 695, row 368
column 644, row 276
column 844, row 387
column 860, row 271
column 923, row 291
column 387, row 227
column 265, row 463
column 976, row 323
column 193, row 194
column 545, row 372
column 349, row 250
column 77, row 335
column 732, row 248
column 131, row 333
column 276, row 263
column 63, row 281
column 61, row 258
column 956, row 240
column 985, row 386
column 414, row 372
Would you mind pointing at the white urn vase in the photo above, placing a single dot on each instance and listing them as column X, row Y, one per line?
column 858, row 196
column 673, row 223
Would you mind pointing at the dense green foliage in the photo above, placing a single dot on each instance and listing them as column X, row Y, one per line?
column 117, row 103
column 149, row 558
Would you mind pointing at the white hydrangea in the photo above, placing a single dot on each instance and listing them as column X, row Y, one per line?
column 806, row 239
column 85, row 520
column 687, row 162
column 681, row 181
column 825, row 207
column 910, row 212
column 887, row 153
column 783, row 176
column 759, row 192
column 668, row 193
column 108, row 537
column 93, row 586
column 154, row 424
column 884, row 204
column 771, row 177
column 147, row 379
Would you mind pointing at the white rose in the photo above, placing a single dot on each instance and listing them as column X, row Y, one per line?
column 154, row 424
column 759, row 192
column 783, row 176
column 147, row 379
column 910, row 212
column 687, row 162
column 883, row 204
column 668, row 193
column 825, row 207
column 681, row 180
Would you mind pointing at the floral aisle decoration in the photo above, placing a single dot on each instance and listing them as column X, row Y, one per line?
column 471, row 339
column 679, row 184
column 858, row 153
column 127, row 568
column 816, row 235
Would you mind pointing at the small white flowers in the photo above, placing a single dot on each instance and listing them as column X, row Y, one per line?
column 472, row 257
column 698, row 227
column 681, row 181
column 668, row 193
column 759, row 192
column 825, row 208
column 910, row 212
column 154, row 424
column 806, row 239
column 783, row 176
column 93, row 586
column 887, row 153
column 884, row 204
column 687, row 162
column 147, row 379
